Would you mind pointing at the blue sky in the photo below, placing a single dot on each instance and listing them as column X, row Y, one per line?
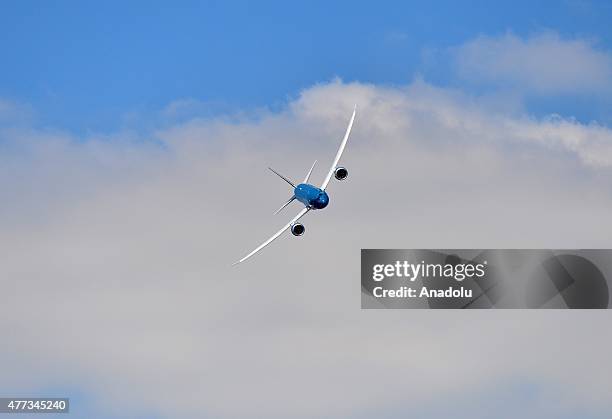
column 457, row 104
column 91, row 66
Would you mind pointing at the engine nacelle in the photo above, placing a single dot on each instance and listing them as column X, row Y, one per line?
column 297, row 229
column 340, row 173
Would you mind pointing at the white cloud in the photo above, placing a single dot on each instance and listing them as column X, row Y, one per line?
column 544, row 63
column 119, row 282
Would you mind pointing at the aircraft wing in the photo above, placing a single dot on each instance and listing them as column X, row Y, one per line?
column 275, row 236
column 340, row 150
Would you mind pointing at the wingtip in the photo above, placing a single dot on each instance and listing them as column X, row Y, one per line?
column 236, row 263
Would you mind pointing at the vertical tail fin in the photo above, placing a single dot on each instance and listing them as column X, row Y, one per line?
column 309, row 172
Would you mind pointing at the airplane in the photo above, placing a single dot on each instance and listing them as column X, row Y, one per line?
column 312, row 197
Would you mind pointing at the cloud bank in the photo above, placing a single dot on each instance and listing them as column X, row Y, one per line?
column 545, row 63
column 116, row 258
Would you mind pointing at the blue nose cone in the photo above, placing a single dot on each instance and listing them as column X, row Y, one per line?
column 311, row 196
column 321, row 201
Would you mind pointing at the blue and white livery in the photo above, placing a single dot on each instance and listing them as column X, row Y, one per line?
column 312, row 197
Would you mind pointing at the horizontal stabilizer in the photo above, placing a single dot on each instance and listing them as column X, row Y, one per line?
column 285, row 204
column 282, row 177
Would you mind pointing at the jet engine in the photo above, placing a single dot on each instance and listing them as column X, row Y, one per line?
column 340, row 173
column 297, row 229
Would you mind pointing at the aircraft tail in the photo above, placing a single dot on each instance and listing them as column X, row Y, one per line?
column 282, row 177
column 285, row 204
column 309, row 172
column 292, row 184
